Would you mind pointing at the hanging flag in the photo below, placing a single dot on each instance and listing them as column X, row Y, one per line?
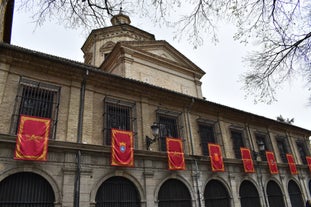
column 122, row 153
column 272, row 163
column 308, row 158
column 216, row 158
column 175, row 154
column 291, row 164
column 247, row 160
column 32, row 138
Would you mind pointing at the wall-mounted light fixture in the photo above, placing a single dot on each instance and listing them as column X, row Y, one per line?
column 261, row 147
column 155, row 129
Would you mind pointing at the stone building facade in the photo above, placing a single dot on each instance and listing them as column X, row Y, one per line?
column 130, row 80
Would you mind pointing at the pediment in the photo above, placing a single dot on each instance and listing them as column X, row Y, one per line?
column 162, row 50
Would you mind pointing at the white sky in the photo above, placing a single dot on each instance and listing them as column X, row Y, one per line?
column 221, row 62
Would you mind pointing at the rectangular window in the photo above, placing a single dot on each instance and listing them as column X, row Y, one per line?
column 36, row 99
column 283, row 150
column 261, row 146
column 118, row 115
column 168, row 128
column 237, row 141
column 207, row 136
column 302, row 151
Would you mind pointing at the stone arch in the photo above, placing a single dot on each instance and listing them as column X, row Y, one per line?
column 180, row 178
column 116, row 191
column 295, row 193
column 37, row 171
column 115, row 174
column 249, row 194
column 174, row 192
column 275, row 194
column 219, row 190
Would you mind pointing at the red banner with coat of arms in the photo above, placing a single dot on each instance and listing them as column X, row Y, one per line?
column 291, row 164
column 247, row 160
column 122, row 153
column 216, row 158
column 272, row 163
column 175, row 153
column 32, row 138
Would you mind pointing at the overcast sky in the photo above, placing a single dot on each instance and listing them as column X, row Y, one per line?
column 221, row 62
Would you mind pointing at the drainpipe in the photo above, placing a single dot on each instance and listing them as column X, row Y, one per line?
column 76, row 201
column 192, row 151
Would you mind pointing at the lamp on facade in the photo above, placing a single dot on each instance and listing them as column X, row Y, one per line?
column 155, row 129
column 261, row 147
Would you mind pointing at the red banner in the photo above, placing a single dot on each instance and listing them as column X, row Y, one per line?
column 308, row 158
column 32, row 138
column 216, row 158
column 122, row 153
column 291, row 164
column 247, row 160
column 272, row 163
column 175, row 153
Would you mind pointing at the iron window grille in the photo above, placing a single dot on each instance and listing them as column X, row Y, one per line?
column 237, row 139
column 275, row 195
column 261, row 138
column 207, row 136
column 168, row 123
column 36, row 99
column 216, row 194
column 26, row 189
column 174, row 193
column 117, row 191
column 118, row 115
column 249, row 195
column 295, row 194
column 302, row 151
column 283, row 148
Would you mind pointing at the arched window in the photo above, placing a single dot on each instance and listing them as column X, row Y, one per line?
column 275, row 195
column 174, row 193
column 295, row 194
column 26, row 189
column 117, row 192
column 216, row 195
column 249, row 195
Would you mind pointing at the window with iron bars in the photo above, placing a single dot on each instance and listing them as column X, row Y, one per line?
column 207, row 136
column 237, row 139
column 302, row 151
column 118, row 115
column 36, row 99
column 261, row 139
column 283, row 148
column 168, row 124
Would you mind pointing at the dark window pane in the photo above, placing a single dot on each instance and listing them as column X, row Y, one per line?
column 173, row 193
column 36, row 102
column 117, row 117
column 207, row 136
column 275, row 196
column 249, row 195
column 237, row 139
column 282, row 149
column 261, row 140
column 117, row 192
column 36, row 99
column 216, row 195
column 26, row 189
column 295, row 194
column 302, row 152
column 168, row 128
